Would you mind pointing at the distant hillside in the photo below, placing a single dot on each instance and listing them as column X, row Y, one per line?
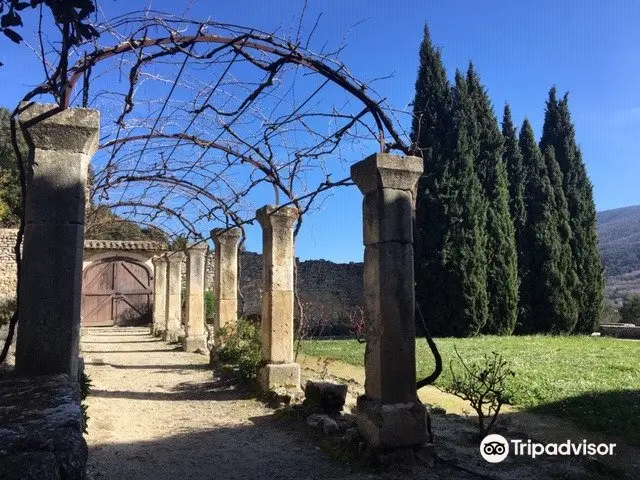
column 619, row 231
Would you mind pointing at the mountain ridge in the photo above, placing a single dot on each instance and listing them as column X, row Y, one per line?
column 619, row 233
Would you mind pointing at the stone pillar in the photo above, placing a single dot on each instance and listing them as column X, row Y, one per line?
column 173, row 328
column 195, row 339
column 160, row 301
column 61, row 144
column 277, row 298
column 389, row 413
column 226, row 275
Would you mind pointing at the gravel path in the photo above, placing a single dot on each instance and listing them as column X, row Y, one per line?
column 158, row 413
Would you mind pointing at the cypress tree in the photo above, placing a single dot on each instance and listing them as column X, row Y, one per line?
column 547, row 295
column 463, row 268
column 559, row 134
column 501, row 266
column 512, row 158
column 431, row 134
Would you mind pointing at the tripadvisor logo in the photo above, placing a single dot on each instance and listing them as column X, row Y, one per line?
column 495, row 448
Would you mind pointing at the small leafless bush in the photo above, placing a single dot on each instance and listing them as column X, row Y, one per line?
column 485, row 385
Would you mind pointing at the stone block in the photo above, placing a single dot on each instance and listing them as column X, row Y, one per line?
column 276, row 328
column 280, row 375
column 194, row 322
column 226, row 274
column 323, row 423
column 277, row 217
column 384, row 170
column 620, row 330
column 160, row 296
column 195, row 343
column 281, row 276
column 227, row 312
column 325, row 397
column 173, row 326
column 49, row 327
column 388, row 216
column 48, row 127
column 173, row 335
column 392, row 426
column 56, row 193
column 390, row 323
column 41, row 435
column 157, row 330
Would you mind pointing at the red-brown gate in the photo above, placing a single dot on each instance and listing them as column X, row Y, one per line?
column 116, row 291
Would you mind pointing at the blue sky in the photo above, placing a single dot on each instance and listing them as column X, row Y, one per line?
column 520, row 49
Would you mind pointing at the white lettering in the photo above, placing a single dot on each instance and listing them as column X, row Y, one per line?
column 565, row 448
column 538, row 449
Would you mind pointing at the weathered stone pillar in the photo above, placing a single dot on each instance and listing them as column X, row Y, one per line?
column 226, row 275
column 160, row 301
column 277, row 298
column 61, row 144
column 389, row 414
column 173, row 328
column 195, row 339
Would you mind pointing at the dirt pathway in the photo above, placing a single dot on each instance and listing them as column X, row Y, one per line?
column 158, row 413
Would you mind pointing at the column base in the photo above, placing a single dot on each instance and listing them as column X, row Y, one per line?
column 197, row 344
column 280, row 376
column 157, row 330
column 391, row 426
column 172, row 336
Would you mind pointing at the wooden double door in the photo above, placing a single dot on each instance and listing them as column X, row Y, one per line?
column 116, row 291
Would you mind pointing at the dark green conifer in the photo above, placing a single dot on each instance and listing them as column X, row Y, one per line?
column 464, row 305
column 559, row 134
column 502, row 270
column 546, row 292
column 431, row 135
column 515, row 172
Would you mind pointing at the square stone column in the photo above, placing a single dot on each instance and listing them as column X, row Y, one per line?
column 226, row 275
column 195, row 339
column 61, row 145
column 277, row 298
column 389, row 413
column 160, row 300
column 173, row 328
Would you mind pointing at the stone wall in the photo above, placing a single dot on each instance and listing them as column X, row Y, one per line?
column 41, row 434
column 328, row 291
column 8, row 271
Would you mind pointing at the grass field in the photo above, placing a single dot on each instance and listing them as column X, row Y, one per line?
column 593, row 381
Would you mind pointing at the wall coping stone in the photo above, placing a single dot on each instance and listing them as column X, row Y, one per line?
column 124, row 245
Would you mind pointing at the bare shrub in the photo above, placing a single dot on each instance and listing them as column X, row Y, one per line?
column 484, row 385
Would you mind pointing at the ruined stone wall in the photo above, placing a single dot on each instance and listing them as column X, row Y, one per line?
column 328, row 291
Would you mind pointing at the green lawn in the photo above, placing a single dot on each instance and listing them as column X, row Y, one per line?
column 590, row 380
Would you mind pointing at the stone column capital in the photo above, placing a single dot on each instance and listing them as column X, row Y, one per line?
column 48, row 127
column 384, row 170
column 175, row 257
column 271, row 216
column 230, row 235
column 199, row 248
